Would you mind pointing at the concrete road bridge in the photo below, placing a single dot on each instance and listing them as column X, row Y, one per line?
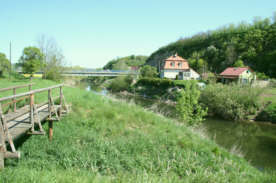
column 95, row 73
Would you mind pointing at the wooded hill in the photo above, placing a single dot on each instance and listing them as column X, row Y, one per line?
column 125, row 62
column 254, row 44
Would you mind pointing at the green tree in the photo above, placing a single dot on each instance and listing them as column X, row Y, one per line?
column 198, row 64
column 148, row 71
column 121, row 65
column 239, row 63
column 31, row 60
column 188, row 107
column 125, row 62
column 53, row 59
column 4, row 64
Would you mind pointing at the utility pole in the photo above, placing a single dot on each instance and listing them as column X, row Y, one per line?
column 10, row 62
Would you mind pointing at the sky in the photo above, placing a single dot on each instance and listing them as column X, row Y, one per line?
column 93, row 32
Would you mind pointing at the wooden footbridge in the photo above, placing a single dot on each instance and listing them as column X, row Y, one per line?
column 27, row 116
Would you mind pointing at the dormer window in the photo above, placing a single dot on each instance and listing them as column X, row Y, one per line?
column 172, row 64
column 179, row 64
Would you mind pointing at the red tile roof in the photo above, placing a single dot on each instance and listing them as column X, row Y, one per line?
column 234, row 71
column 176, row 58
column 176, row 62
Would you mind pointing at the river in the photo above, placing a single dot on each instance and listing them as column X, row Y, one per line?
column 256, row 142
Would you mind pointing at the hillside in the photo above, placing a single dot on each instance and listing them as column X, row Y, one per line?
column 125, row 62
column 254, row 44
column 104, row 140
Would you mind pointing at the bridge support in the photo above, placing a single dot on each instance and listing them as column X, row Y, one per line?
column 50, row 133
column 2, row 153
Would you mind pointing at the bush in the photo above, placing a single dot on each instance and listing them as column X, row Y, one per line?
column 120, row 83
column 268, row 114
column 148, row 71
column 188, row 107
column 163, row 83
column 231, row 102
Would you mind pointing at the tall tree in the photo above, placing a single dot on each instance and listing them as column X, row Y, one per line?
column 148, row 71
column 31, row 60
column 4, row 64
column 53, row 59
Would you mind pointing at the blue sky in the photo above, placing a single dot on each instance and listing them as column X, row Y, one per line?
column 92, row 32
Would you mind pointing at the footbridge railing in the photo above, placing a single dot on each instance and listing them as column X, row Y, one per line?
column 29, row 117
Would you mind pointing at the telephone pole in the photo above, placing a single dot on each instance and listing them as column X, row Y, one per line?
column 10, row 62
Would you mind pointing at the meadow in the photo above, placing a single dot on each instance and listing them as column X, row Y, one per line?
column 107, row 140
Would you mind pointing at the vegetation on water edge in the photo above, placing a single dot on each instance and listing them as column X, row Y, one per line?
column 231, row 102
column 268, row 114
column 104, row 140
column 188, row 107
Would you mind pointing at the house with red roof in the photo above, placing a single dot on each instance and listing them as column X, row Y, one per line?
column 177, row 67
column 243, row 75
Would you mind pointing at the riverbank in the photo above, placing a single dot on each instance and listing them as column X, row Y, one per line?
column 103, row 140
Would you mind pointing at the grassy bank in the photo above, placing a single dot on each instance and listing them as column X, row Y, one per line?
column 103, row 140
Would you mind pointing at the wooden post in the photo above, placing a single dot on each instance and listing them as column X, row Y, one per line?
column 49, row 104
column 60, row 101
column 2, row 143
column 32, row 111
column 30, row 87
column 1, row 157
column 14, row 100
column 51, row 125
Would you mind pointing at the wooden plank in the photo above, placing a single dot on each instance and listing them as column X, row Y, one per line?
column 14, row 87
column 30, row 92
column 21, row 125
column 18, row 100
column 13, row 115
column 1, row 160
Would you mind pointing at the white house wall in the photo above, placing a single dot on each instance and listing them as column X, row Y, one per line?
column 194, row 74
column 170, row 75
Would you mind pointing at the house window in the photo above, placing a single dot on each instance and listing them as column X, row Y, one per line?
column 179, row 64
column 187, row 74
column 172, row 64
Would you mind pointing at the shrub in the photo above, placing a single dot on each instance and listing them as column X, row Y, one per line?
column 121, row 83
column 232, row 102
column 163, row 83
column 268, row 114
column 148, row 71
column 188, row 107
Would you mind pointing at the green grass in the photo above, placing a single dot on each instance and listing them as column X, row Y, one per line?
column 269, row 94
column 103, row 140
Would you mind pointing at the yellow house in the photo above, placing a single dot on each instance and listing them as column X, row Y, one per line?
column 243, row 75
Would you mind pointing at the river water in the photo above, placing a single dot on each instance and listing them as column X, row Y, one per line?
column 256, row 142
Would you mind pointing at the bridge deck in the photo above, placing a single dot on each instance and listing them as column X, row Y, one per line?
column 19, row 122
column 26, row 119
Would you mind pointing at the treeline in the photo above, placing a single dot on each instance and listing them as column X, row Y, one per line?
column 45, row 57
column 125, row 63
column 253, row 45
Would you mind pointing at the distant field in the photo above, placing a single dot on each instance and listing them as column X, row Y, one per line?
column 35, row 75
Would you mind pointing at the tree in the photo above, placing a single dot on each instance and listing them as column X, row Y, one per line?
column 198, row 63
column 239, row 63
column 121, row 65
column 4, row 64
column 188, row 107
column 31, row 60
column 53, row 59
column 148, row 71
